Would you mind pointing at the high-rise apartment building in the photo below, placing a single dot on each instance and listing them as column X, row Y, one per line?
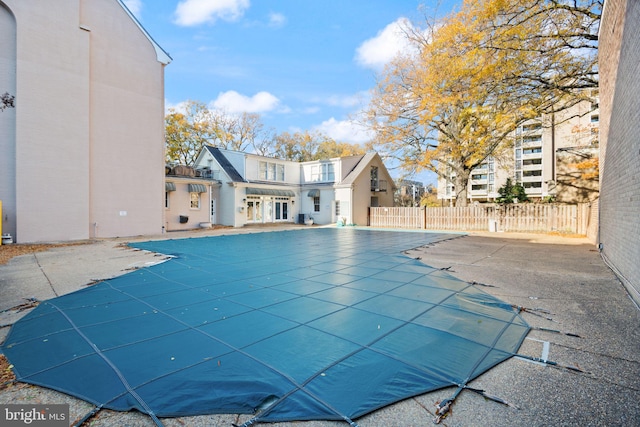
column 533, row 159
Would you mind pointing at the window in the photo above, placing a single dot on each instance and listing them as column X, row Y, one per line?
column 595, row 118
column 195, row 200
column 532, row 185
column 531, row 127
column 322, row 172
column 316, row 204
column 532, row 173
column 479, row 176
column 337, row 212
column 530, row 162
column 375, row 184
column 479, row 187
column 533, row 138
column 532, row 150
column 166, row 200
column 262, row 171
column 270, row 171
column 374, row 173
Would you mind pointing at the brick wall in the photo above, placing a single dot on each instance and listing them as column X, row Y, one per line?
column 619, row 59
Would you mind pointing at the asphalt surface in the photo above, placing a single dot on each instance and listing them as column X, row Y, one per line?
column 562, row 283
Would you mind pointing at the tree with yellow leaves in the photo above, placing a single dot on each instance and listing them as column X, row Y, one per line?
column 306, row 146
column 194, row 125
column 187, row 132
column 471, row 80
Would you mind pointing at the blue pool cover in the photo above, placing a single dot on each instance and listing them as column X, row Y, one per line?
column 311, row 324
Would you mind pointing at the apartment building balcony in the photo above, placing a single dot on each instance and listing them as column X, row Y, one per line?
column 532, row 140
column 532, row 179
column 531, row 156
column 532, row 185
column 532, row 167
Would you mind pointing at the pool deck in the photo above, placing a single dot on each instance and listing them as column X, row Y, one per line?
column 565, row 277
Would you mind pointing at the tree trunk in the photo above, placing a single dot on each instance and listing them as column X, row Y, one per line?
column 461, row 183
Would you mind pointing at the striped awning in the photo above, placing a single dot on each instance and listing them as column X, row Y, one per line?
column 314, row 193
column 269, row 192
column 197, row 188
column 169, row 186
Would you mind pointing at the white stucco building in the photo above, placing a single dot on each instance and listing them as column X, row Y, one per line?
column 256, row 189
column 82, row 152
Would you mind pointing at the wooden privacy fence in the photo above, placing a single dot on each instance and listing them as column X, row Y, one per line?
column 523, row 217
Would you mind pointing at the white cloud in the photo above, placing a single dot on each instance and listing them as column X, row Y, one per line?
column 277, row 20
column 381, row 49
column 234, row 102
column 195, row 12
column 134, row 6
column 345, row 131
column 347, row 101
column 178, row 108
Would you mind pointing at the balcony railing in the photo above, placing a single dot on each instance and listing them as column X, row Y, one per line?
column 208, row 174
column 379, row 185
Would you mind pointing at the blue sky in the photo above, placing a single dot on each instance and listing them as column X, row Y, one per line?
column 300, row 64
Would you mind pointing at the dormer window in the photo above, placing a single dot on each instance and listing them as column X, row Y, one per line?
column 269, row 171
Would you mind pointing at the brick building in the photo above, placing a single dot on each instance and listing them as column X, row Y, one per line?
column 619, row 58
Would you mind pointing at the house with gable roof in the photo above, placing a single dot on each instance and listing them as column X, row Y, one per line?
column 255, row 189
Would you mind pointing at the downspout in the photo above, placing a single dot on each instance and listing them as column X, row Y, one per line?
column 351, row 205
column 553, row 146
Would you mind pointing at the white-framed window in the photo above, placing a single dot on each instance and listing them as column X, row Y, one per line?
column 324, row 172
column 337, row 208
column 262, row 170
column 269, row 171
column 328, row 170
column 195, row 200
column 316, row 204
